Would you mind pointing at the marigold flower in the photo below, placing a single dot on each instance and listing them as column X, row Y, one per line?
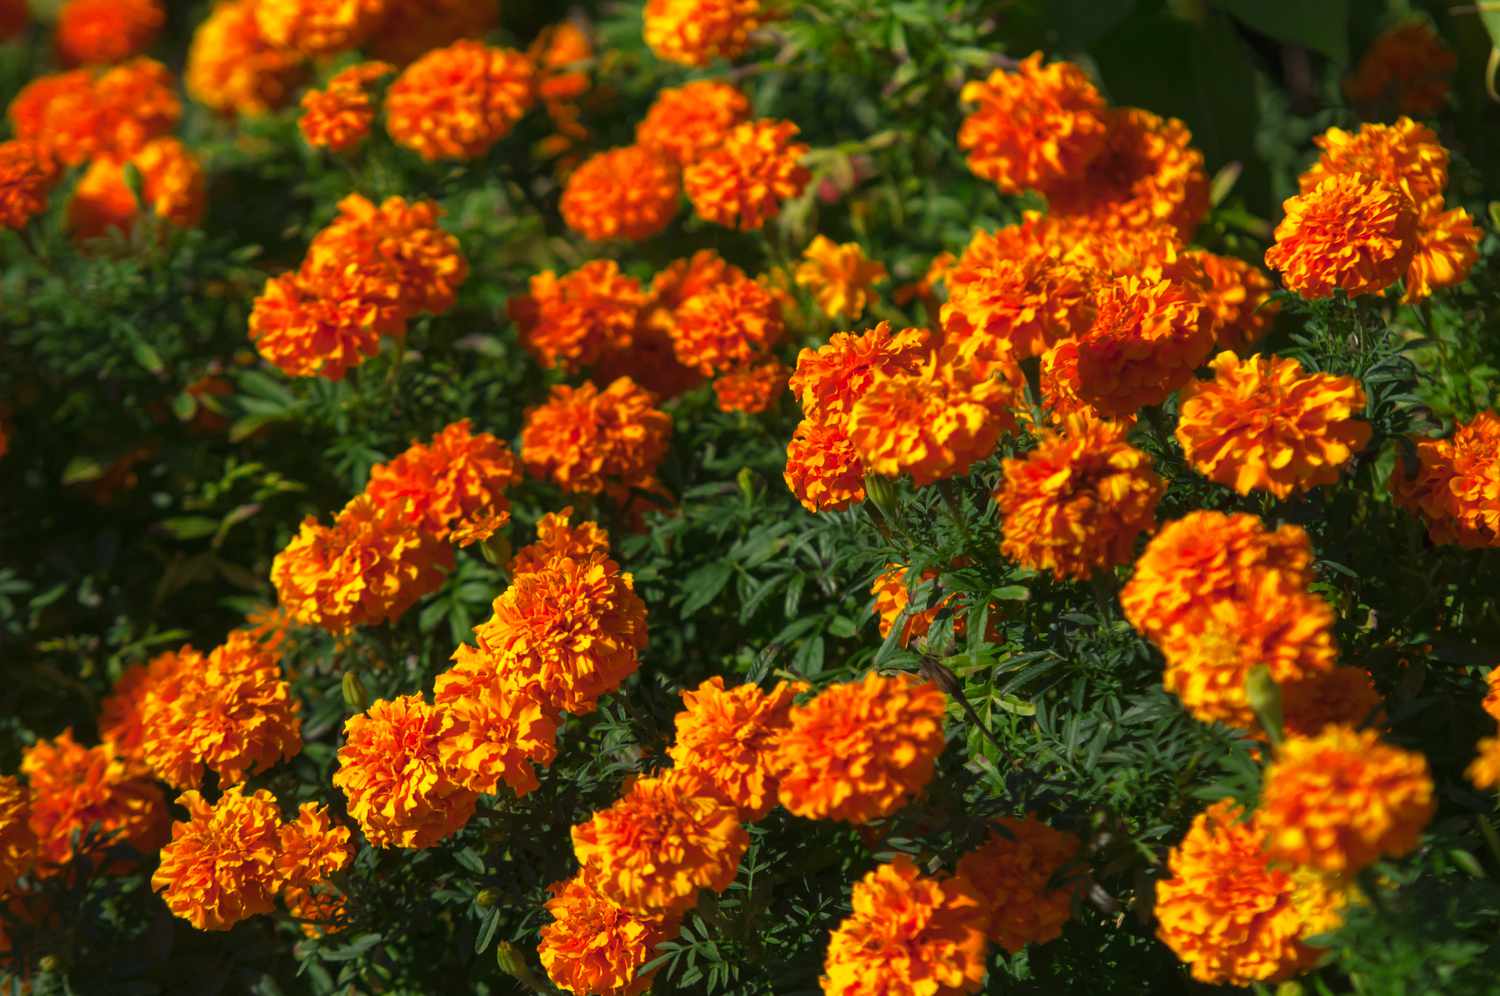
column 322, row 324
column 1484, row 771
column 1034, row 127
column 570, row 321
column 17, row 841
column 453, row 488
column 401, row 235
column 312, row 847
column 220, row 866
column 79, row 115
column 1343, row 695
column 892, row 596
column 1147, row 339
column 1341, row 800
column 1076, row 504
column 457, row 102
column 696, row 32
column 667, row 837
column 339, row 117
column 743, row 181
column 556, row 50
column 1447, row 249
column 1491, row 702
column 318, row 27
column 751, row 389
column 683, row 122
column 1407, row 66
column 92, row 32
column 1000, row 310
column 594, row 945
column 122, row 714
column 830, row 379
column 725, row 326
column 499, row 725
column 172, row 188
column 1455, row 488
column 1239, row 295
column 823, row 469
column 574, row 628
column 412, row 28
column 1348, row 233
column 858, row 751
column 840, row 276
column 233, row 69
column 75, row 788
column 391, row 771
column 1018, row 874
column 556, row 538
column 1405, row 155
column 583, row 439
column 909, row 933
column 1229, row 914
column 27, row 176
column 727, row 738
column 626, row 193
column 369, row 567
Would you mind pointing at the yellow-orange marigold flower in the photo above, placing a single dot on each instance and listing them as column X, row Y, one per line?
column 839, row 276
column 1034, row 127
column 399, row 237
column 696, row 32
column 823, row 469
column 594, row 945
column 498, row 725
column 122, row 714
column 339, row 117
column 27, row 176
column 1229, row 914
column 1406, row 155
column 751, row 389
column 93, row 32
column 412, row 28
column 1147, row 338
column 682, row 122
column 727, row 738
column 453, row 487
column 1264, row 424
column 1447, row 249
column 570, row 321
column 1407, row 67
column 743, row 181
column 233, row 69
column 78, row 115
column 583, row 439
column 312, row 847
column 557, row 537
column 17, row 841
column 325, row 323
column 457, row 102
column 1491, row 702
column 1484, row 771
column 892, row 596
column 392, row 773
column 74, row 788
column 831, row 378
column 1076, row 504
column 667, row 837
column 1239, row 295
column 1456, row 485
column 908, row 933
column 318, row 27
column 1348, row 233
column 1342, row 800
column 220, row 866
column 626, row 193
column 726, row 325
column 858, row 751
column 1000, row 310
column 1022, row 877
column 172, row 188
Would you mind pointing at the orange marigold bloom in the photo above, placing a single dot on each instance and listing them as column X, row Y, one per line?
column 498, row 726
column 908, row 933
column 556, row 49
column 1343, row 695
column 1456, row 486
column 840, row 276
column 1342, row 800
column 556, row 538
column 626, row 193
column 1076, row 504
column 932, row 424
column 75, row 788
column 1239, row 295
column 1491, row 701
column 1406, row 155
column 1348, row 233
column 27, row 176
column 313, row 847
column 1447, row 249
column 1408, row 67
column 831, row 378
column 743, row 181
column 752, row 389
column 391, row 771
column 318, row 27
column 220, row 866
column 339, row 118
column 1230, row 915
column 1019, row 874
column 683, row 122
column 1484, row 771
column 822, row 467
column 573, row 628
column 725, row 326
column 412, row 28
column 1032, row 128
column 667, row 837
column 1000, row 310
column 892, row 596
column 91, row 32
column 17, row 841
column 572, row 320
column 858, row 751
column 369, row 567
column 402, row 236
column 696, row 32
column 594, row 945
column 1148, row 337
column 122, row 714
column 233, row 69
column 727, row 738
column 172, row 188
column 322, row 324
column 78, row 115
column 453, row 488
column 583, row 439
column 457, row 102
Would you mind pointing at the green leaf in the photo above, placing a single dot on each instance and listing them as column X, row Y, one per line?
column 487, row 930
column 469, row 860
column 704, row 585
column 354, row 949
column 190, row 527
column 1321, row 25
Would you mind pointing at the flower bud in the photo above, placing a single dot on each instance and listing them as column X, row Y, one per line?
column 882, row 493
column 356, row 696
column 487, row 898
column 1265, row 701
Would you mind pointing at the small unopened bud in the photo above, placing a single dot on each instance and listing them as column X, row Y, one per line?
column 883, row 494
column 49, row 963
column 1265, row 701
column 487, row 898
column 1290, row 988
column 746, row 480
column 513, row 963
column 356, row 696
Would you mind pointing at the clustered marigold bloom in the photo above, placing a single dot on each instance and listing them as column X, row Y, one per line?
column 1076, row 504
column 726, row 738
column 1447, row 249
column 1148, row 337
column 401, row 236
column 27, row 176
column 74, row 787
column 172, row 188
column 339, row 117
column 683, row 122
column 1455, row 487
column 457, row 102
column 311, row 849
column 696, row 32
column 369, row 567
column 556, row 538
column 823, row 469
column 499, row 725
column 908, row 933
column 1342, row 800
column 220, row 866
column 1001, row 309
column 667, row 837
column 17, row 841
column 751, row 389
column 1021, row 875
column 726, row 325
column 94, row 32
column 1349, row 233
column 585, row 440
column 391, row 771
column 570, row 321
column 1034, row 127
column 840, row 276
column 318, row 27
column 1230, row 914
column 743, row 181
column 453, row 488
column 1484, row 770
column 1239, row 295
column 1408, row 66
column 1264, row 424
column 594, row 945
column 122, row 714
column 626, row 193
column 858, row 751
column 83, row 114
column 233, row 69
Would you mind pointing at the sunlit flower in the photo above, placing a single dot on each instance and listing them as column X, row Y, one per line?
column 412, row 28
column 1348, row 233
column 1407, row 67
column 1484, row 771
column 400, row 237
column 1000, row 310
column 1022, row 878
column 498, row 726
column 457, row 102
column 743, row 181
column 454, row 487
column 92, row 32
column 313, row 847
column 1147, row 338
column 626, row 193
column 557, row 537
column 318, row 27
column 75, row 787
column 583, row 439
column 172, row 188
column 27, row 176
column 338, row 118
column 1455, row 488
column 1405, row 155
column 696, row 32
column 1447, row 249
column 220, row 866
column 751, row 389
column 1239, row 295
column 839, row 276
column 728, row 736
column 570, row 321
column 1491, row 702
column 823, row 469
column 594, row 945
column 17, row 841
column 726, row 325
column 78, row 115
column 557, row 50
column 233, row 69
column 684, row 121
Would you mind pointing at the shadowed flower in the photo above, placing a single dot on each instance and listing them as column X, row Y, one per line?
column 91, row 32
column 685, row 121
column 1407, row 67
column 17, row 841
column 453, row 488
column 1455, row 487
column 313, row 848
column 172, row 188
column 1239, row 295
column 751, row 389
column 498, row 725
column 27, row 176
column 220, row 866
column 412, row 28
column 571, row 321
column 822, row 467
column 594, row 945
column 1019, row 874
column 726, row 325
column 75, row 788
column 80, row 115
column 584, row 440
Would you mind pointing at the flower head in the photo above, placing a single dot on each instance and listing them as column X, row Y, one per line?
column 727, row 736
column 571, row 321
column 1019, row 874
column 1455, row 487
column 584, row 439
column 17, row 841
column 326, row 323
column 752, row 389
column 683, row 122
column 1447, row 249
column 831, row 378
column 457, row 102
column 220, row 866
column 743, row 181
column 626, row 193
column 27, row 176
column 1349, row 233
column 122, row 714
column 453, row 488
column 338, row 118
column 172, row 188
column 318, row 27
column 79, row 115
column 1148, row 337
column 594, row 945
column 74, row 788
column 1405, row 155
column 823, row 469
column 93, row 32
column 313, row 847
column 398, row 239
column 1484, row 771
column 498, row 725
column 726, row 325
column 840, row 276
column 1239, row 295
column 1339, row 695
column 233, row 69
column 1408, row 66
column 556, row 538
column 696, row 32
column 1002, row 309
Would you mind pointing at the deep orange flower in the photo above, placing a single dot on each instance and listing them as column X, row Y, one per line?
column 556, row 50
column 122, row 714
column 78, row 115
column 453, row 488
column 594, row 945
column 1455, row 487
column 457, row 102
column 1405, row 155
column 76, row 788
column 1147, row 338
column 412, row 28
column 572, row 320
column 908, row 933
column 17, row 841
column 325, row 323
column 1021, row 876
column 1491, row 701
column 172, row 189
column 27, row 176
column 696, row 32
column 726, row 325
column 92, row 32
column 1341, row 800
column 556, row 538
column 858, row 751
column 823, row 469
column 339, row 117
column 233, row 69
column 751, row 389
column 392, row 773
column 584, row 439
column 498, row 725
column 401, row 235
column 318, row 27
column 1033, row 128
column 1407, row 67
column 830, row 379
column 1348, row 233
column 1484, row 771
column 1000, row 310
column 1447, row 249
column 648, row 358
column 1076, row 504
column 727, row 738
column 626, row 193
column 839, row 276
column 682, row 122
column 743, row 181
column 1239, row 295
column 1340, row 695
column 892, row 596
column 313, row 847
column 220, row 866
